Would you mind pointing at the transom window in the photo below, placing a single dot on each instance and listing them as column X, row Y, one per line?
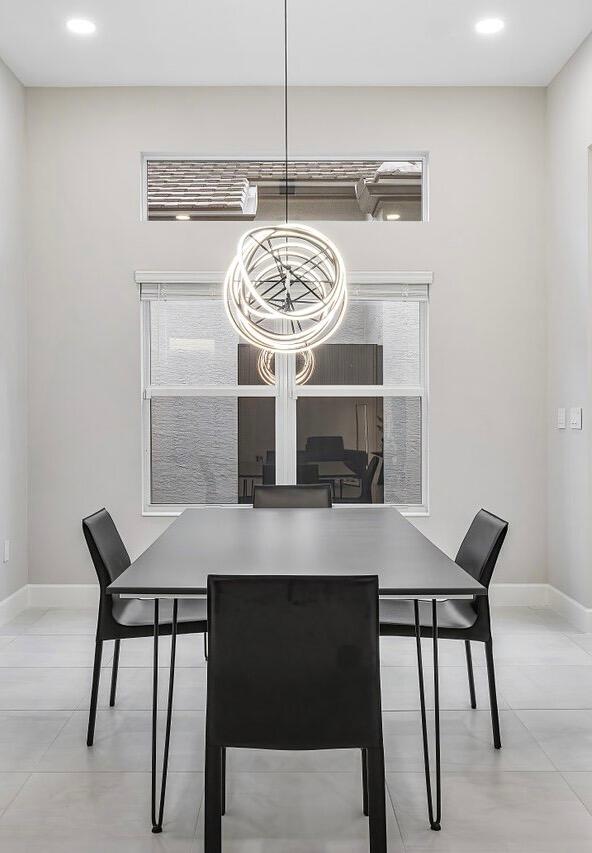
column 388, row 189
column 217, row 420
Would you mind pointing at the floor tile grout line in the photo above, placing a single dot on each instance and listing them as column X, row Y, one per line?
column 536, row 739
column 199, row 808
column 454, row 772
column 58, row 733
column 568, row 783
column 392, row 802
column 198, row 812
column 102, row 772
column 28, row 773
column 406, row 710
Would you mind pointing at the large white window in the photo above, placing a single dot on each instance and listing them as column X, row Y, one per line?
column 213, row 427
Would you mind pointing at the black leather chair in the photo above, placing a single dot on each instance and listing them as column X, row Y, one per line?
column 460, row 620
column 121, row 618
column 366, row 481
column 316, row 496
column 293, row 664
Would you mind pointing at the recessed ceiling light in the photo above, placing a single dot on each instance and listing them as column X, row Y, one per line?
column 81, row 26
column 489, row 26
column 393, row 216
column 182, row 217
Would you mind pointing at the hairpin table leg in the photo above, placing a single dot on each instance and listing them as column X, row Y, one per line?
column 157, row 820
column 435, row 817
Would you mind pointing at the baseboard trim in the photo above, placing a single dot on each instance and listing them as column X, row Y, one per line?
column 63, row 595
column 14, row 604
column 570, row 609
column 502, row 594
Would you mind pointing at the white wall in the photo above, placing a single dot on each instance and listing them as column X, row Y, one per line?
column 13, row 331
column 484, row 244
column 569, row 137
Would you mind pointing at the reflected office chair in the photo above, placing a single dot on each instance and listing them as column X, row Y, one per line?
column 313, row 496
column 366, row 482
column 460, row 620
column 122, row 618
column 294, row 664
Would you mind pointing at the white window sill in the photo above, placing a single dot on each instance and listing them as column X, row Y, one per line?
column 152, row 512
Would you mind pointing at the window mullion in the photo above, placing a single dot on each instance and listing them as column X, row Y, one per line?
column 285, row 419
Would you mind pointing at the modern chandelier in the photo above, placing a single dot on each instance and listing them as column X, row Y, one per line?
column 285, row 290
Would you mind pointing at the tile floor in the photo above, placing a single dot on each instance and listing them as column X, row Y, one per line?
column 533, row 796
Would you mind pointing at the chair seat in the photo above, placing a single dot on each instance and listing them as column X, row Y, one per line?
column 396, row 617
column 136, row 612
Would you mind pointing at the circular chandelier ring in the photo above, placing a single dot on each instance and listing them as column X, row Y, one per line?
column 267, row 373
column 286, row 288
column 295, row 247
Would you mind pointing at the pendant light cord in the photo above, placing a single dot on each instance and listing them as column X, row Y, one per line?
column 286, row 100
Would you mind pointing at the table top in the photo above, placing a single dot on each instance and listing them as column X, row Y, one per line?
column 338, row 541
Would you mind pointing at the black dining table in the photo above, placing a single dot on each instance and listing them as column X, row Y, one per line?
column 238, row 540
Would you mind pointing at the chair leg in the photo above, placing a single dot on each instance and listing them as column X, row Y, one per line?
column 114, row 670
column 94, row 692
column 492, row 694
column 213, row 811
column 470, row 673
column 205, row 638
column 223, row 780
column 365, row 781
column 376, row 800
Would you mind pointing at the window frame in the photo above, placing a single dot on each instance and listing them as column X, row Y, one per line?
column 397, row 155
column 374, row 286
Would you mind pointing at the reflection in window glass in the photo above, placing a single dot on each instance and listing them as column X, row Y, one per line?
column 256, row 443
column 341, row 438
column 191, row 343
column 248, row 370
column 402, row 450
column 209, row 450
column 367, row 448
column 378, row 342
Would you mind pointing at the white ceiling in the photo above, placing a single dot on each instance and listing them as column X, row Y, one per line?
column 347, row 42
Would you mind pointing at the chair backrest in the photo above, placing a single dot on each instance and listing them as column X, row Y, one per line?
column 314, row 496
column 480, row 548
column 106, row 548
column 328, row 448
column 357, row 460
column 368, row 478
column 293, row 662
column 268, row 471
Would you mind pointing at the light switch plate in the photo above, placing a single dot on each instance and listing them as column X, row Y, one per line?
column 575, row 417
column 560, row 418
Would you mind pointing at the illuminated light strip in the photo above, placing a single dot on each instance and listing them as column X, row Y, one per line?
column 267, row 373
column 285, row 257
